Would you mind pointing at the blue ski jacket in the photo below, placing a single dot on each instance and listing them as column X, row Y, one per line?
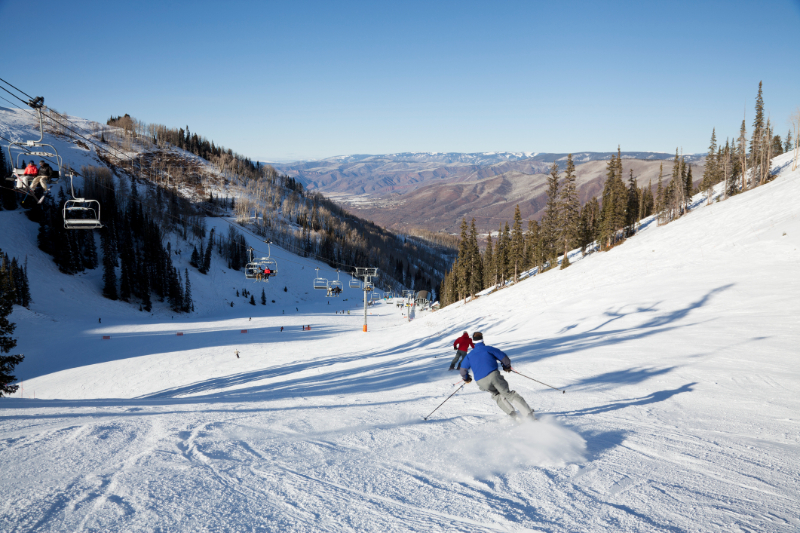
column 483, row 361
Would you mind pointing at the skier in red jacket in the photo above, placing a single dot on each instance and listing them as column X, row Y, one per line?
column 462, row 344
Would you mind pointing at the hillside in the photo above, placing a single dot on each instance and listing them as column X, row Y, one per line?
column 175, row 188
column 677, row 350
column 492, row 199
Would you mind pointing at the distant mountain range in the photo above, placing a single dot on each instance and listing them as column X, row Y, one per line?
column 434, row 190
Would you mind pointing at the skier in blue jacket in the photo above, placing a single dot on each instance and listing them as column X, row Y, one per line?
column 483, row 362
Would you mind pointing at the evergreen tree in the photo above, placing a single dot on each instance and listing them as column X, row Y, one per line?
column 252, row 300
column 710, row 174
column 742, row 154
column 207, row 257
column 517, row 245
column 89, row 252
column 612, row 217
column 195, row 259
column 476, row 264
column 188, row 303
column 463, row 280
column 7, row 342
column 550, row 220
column 660, row 192
column 570, row 212
column 263, row 297
column 489, row 270
column 109, row 274
column 787, row 145
column 758, row 122
column 632, row 210
column 175, row 291
column 144, row 287
column 689, row 181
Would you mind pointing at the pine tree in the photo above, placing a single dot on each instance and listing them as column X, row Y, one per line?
column 252, row 300
column 570, row 212
column 195, row 259
column 464, row 262
column 517, row 244
column 7, row 342
column 489, row 270
column 476, row 264
column 175, row 291
column 263, row 297
column 632, row 211
column 207, row 257
column 550, row 220
column 742, row 154
column 787, row 145
column 89, row 252
column 144, row 288
column 712, row 163
column 688, row 182
column 612, row 218
column 109, row 274
column 660, row 193
column 188, row 303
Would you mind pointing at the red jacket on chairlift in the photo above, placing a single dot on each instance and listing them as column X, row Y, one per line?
column 31, row 170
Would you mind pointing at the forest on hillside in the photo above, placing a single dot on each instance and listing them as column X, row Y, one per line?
column 606, row 222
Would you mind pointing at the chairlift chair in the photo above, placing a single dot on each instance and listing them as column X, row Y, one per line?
column 336, row 286
column 368, row 286
column 355, row 283
column 29, row 149
column 80, row 213
column 268, row 265
column 320, row 283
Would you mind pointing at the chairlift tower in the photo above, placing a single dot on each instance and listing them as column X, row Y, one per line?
column 366, row 274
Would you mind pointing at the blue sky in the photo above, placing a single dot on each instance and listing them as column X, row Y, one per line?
column 284, row 80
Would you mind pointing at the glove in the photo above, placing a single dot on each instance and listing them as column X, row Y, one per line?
column 507, row 368
column 468, row 379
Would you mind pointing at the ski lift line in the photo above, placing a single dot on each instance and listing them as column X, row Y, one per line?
column 16, row 88
column 130, row 158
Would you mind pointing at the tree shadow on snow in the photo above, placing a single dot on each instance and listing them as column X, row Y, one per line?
column 600, row 335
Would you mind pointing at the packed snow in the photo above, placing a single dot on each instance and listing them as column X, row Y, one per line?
column 677, row 351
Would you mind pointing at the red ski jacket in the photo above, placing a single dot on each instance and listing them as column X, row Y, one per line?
column 31, row 170
column 463, row 343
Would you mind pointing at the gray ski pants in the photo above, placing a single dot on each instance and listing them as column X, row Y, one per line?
column 459, row 355
column 497, row 386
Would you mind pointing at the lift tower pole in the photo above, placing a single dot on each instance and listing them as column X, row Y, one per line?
column 366, row 274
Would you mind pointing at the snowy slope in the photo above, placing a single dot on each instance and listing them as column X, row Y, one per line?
column 677, row 349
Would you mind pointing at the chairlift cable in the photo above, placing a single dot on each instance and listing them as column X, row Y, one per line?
column 17, row 89
column 131, row 158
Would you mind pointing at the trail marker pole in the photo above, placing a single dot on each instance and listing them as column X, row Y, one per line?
column 537, row 381
column 441, row 404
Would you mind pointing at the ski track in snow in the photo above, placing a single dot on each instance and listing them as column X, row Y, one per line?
column 678, row 351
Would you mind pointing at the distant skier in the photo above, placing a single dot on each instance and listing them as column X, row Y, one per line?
column 237, row 354
column 483, row 361
column 281, row 329
column 462, row 345
column 99, row 320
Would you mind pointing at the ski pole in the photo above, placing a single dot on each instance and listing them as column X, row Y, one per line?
column 537, row 381
column 441, row 404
